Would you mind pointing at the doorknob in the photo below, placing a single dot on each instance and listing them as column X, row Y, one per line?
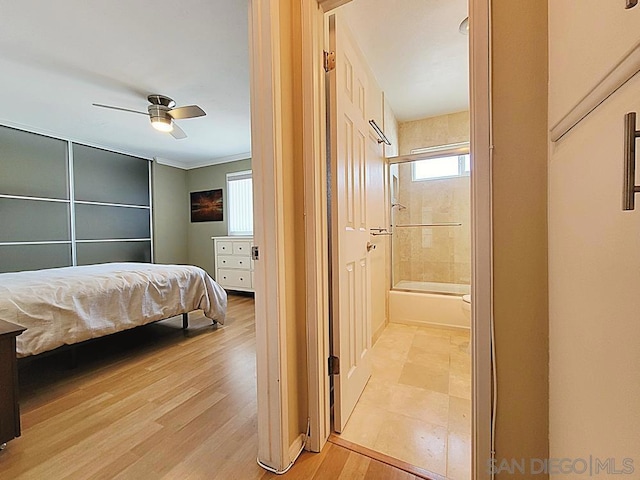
column 370, row 246
column 630, row 188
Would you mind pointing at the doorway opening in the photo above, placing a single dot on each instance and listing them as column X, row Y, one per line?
column 405, row 227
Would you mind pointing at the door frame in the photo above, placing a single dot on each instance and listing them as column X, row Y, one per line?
column 482, row 243
column 267, row 139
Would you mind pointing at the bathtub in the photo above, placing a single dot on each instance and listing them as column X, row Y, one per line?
column 418, row 308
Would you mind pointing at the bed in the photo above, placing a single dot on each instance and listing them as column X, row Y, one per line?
column 65, row 306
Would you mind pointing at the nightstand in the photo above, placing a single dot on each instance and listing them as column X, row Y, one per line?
column 9, row 407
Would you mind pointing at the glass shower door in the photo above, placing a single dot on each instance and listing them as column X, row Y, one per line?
column 430, row 212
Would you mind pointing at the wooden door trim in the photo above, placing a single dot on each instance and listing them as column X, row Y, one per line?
column 482, row 237
column 316, row 227
column 267, row 143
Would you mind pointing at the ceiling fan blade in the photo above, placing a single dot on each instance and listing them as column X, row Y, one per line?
column 119, row 108
column 190, row 111
column 177, row 132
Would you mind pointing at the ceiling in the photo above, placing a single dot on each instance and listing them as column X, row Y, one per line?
column 416, row 52
column 57, row 58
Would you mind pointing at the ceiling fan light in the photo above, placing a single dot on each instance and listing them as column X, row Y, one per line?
column 162, row 124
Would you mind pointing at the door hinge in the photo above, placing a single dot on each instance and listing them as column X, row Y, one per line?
column 329, row 61
column 255, row 253
column 334, row 365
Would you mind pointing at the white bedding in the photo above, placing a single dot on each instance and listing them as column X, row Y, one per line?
column 68, row 305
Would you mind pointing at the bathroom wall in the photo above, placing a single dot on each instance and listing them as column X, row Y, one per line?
column 436, row 254
column 433, row 131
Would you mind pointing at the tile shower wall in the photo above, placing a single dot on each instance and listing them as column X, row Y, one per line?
column 433, row 131
column 437, row 254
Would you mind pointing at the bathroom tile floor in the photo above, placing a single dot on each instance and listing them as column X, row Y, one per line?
column 417, row 404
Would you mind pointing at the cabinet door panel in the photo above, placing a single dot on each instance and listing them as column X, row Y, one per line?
column 24, row 157
column 14, row 258
column 594, row 280
column 33, row 221
column 99, row 222
column 104, row 252
column 103, row 176
column 588, row 38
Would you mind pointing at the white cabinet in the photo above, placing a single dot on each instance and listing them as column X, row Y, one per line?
column 587, row 39
column 594, row 254
column 233, row 263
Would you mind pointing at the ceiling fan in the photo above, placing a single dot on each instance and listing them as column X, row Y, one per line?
column 162, row 112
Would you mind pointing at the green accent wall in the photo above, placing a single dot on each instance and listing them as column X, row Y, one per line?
column 199, row 243
column 177, row 239
column 170, row 214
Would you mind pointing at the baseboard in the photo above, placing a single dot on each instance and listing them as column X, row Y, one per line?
column 295, row 447
column 418, row 323
column 378, row 332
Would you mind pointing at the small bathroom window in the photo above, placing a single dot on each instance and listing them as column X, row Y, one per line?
column 441, row 167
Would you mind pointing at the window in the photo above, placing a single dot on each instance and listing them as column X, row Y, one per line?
column 441, row 167
column 240, row 203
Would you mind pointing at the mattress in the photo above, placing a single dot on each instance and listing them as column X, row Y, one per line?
column 69, row 305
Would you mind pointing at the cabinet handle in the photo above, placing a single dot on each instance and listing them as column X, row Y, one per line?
column 630, row 188
column 631, row 3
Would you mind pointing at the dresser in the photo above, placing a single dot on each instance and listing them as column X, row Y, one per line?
column 9, row 408
column 233, row 263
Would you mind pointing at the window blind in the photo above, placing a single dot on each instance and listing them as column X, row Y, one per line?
column 240, row 203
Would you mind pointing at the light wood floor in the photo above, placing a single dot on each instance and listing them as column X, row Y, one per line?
column 416, row 406
column 154, row 403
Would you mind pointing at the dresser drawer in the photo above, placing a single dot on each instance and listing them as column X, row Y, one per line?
column 234, row 278
column 224, row 248
column 234, row 261
column 242, row 248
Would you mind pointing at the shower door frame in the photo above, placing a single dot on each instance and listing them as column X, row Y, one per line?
column 437, row 151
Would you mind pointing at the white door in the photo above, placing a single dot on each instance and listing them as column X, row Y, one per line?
column 350, row 270
column 594, row 248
